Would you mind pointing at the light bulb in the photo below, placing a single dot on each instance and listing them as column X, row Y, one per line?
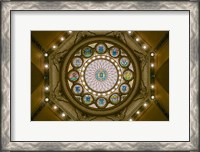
column 63, row 115
column 46, row 66
column 152, row 65
column 144, row 47
column 62, row 38
column 46, row 99
column 152, row 54
column 55, row 107
column 46, row 88
column 145, row 104
column 46, row 54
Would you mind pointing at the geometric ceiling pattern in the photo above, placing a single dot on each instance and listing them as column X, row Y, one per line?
column 99, row 75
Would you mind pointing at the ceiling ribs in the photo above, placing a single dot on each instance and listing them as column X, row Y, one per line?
column 160, row 44
column 161, row 109
column 37, row 44
column 162, row 41
column 40, row 107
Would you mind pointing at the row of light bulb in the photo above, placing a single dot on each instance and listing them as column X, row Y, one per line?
column 55, row 107
column 138, row 39
column 152, row 87
column 152, row 54
column 61, row 39
column 46, row 66
column 138, row 112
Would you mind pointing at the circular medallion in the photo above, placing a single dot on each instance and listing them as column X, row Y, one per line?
column 77, row 62
column 101, row 48
column 77, row 89
column 115, row 98
column 87, row 52
column 101, row 102
column 101, row 75
column 124, row 62
column 87, row 99
column 114, row 52
column 124, row 88
column 73, row 76
column 128, row 75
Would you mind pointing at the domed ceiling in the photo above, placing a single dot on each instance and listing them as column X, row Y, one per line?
column 99, row 75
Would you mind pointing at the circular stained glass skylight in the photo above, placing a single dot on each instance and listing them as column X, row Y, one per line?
column 100, row 76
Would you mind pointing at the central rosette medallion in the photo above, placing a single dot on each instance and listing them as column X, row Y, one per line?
column 101, row 75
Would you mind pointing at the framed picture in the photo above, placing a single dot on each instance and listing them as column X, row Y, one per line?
column 100, row 75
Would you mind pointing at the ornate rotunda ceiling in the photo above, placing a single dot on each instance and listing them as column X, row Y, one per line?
column 97, row 75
